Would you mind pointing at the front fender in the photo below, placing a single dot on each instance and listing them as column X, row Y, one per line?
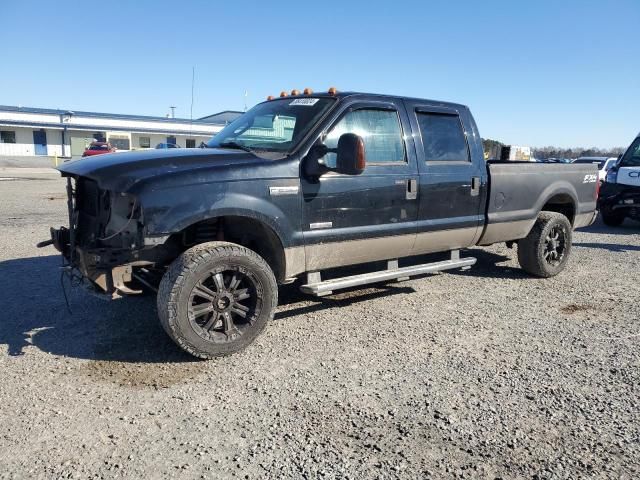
column 170, row 211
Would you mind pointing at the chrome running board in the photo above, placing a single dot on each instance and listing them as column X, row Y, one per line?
column 315, row 286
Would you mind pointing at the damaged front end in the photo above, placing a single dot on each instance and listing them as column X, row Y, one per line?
column 103, row 246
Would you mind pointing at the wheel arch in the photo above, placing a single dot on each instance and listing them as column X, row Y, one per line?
column 249, row 231
column 561, row 202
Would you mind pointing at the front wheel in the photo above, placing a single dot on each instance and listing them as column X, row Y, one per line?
column 216, row 298
column 544, row 252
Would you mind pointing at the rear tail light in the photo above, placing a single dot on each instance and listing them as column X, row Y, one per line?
column 598, row 183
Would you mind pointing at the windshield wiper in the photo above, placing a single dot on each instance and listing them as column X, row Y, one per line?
column 235, row 145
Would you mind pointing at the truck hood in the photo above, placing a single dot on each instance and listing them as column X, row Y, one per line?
column 121, row 171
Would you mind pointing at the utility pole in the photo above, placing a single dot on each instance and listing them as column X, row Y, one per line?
column 173, row 112
column 193, row 81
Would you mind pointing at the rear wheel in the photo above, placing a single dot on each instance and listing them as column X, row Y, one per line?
column 545, row 251
column 611, row 217
column 216, row 298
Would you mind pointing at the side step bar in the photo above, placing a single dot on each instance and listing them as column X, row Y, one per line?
column 315, row 286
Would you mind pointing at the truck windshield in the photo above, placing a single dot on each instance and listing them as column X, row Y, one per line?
column 631, row 157
column 273, row 126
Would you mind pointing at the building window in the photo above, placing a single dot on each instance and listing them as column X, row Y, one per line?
column 7, row 136
column 120, row 143
column 191, row 143
column 144, row 142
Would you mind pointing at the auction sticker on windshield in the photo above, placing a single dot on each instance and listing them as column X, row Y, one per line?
column 304, row 101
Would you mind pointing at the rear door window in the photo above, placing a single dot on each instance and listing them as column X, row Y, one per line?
column 443, row 137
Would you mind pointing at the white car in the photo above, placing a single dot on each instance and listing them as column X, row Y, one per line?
column 604, row 164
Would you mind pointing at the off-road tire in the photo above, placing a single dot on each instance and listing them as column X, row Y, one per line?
column 532, row 248
column 610, row 217
column 176, row 290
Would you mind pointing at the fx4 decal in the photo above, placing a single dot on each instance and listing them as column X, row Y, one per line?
column 590, row 178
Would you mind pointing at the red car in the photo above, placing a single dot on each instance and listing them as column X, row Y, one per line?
column 98, row 148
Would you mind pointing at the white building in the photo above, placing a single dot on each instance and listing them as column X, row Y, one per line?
column 47, row 132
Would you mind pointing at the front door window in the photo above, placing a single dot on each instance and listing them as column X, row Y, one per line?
column 380, row 130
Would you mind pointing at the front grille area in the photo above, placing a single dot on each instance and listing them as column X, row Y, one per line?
column 87, row 196
column 92, row 205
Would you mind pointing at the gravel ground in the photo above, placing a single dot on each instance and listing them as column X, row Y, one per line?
column 479, row 374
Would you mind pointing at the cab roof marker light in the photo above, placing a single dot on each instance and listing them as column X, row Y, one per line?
column 307, row 91
column 332, row 91
column 270, row 97
column 295, row 92
column 283, row 94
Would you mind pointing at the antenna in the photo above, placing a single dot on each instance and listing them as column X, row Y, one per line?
column 246, row 94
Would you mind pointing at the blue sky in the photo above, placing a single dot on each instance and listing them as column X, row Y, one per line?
column 564, row 73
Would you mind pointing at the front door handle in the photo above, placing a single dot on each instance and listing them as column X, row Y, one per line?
column 475, row 186
column 412, row 189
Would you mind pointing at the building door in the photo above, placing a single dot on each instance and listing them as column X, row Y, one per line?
column 40, row 142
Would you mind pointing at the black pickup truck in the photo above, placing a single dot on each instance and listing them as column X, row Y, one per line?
column 296, row 186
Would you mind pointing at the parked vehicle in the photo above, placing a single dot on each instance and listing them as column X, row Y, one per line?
column 557, row 160
column 299, row 185
column 620, row 193
column 98, row 148
column 603, row 163
column 167, row 145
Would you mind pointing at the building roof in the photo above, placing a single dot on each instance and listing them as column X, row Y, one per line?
column 211, row 119
column 225, row 117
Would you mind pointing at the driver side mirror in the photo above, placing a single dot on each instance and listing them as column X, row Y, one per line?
column 350, row 157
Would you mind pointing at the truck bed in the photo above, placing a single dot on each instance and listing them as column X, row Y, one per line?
column 519, row 190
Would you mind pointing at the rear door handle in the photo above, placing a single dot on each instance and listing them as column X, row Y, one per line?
column 412, row 189
column 475, row 186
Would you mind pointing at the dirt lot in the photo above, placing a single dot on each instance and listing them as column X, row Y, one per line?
column 479, row 374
